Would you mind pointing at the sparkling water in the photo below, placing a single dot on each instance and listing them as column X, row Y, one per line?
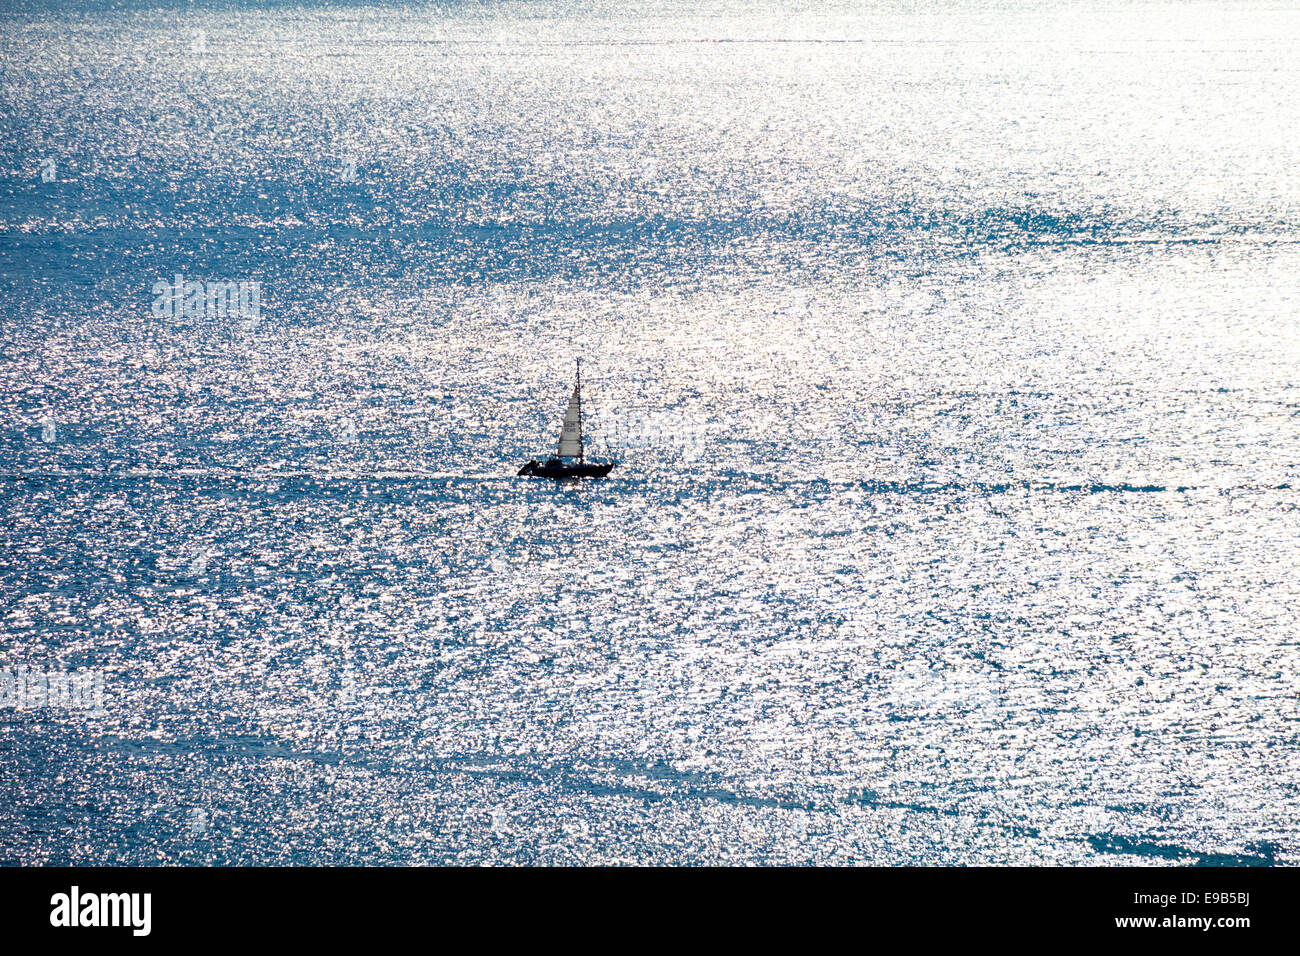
column 948, row 351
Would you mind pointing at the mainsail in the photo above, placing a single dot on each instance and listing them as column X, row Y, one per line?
column 571, row 433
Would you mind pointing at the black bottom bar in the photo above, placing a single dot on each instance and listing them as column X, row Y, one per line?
column 1227, row 906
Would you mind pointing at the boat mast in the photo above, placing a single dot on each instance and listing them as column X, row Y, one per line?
column 578, row 392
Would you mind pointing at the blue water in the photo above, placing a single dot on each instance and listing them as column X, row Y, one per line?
column 949, row 350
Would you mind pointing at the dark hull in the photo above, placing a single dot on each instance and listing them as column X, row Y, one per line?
column 559, row 469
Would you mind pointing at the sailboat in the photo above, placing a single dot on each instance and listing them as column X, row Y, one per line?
column 569, row 447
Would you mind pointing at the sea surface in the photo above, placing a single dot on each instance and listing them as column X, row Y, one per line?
column 949, row 351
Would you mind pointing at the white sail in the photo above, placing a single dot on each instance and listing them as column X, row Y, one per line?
column 571, row 433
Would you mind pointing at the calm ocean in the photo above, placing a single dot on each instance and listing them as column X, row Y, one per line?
column 949, row 351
